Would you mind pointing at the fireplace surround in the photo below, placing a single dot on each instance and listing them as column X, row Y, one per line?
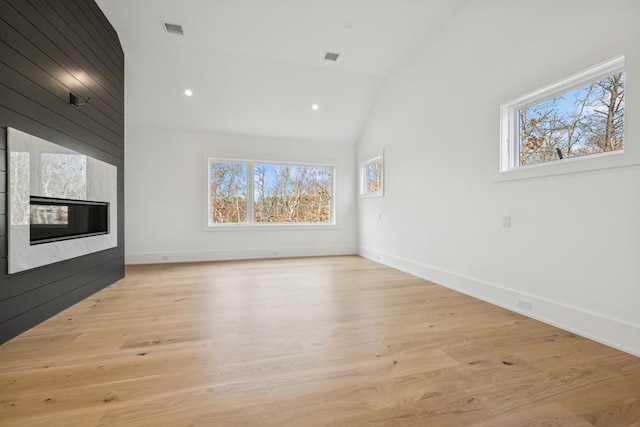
column 62, row 204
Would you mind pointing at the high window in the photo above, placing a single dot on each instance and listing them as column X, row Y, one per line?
column 248, row 192
column 372, row 177
column 579, row 117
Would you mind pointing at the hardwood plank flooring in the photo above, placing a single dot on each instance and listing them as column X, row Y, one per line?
column 337, row 341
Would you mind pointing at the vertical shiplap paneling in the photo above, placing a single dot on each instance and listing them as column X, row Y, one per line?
column 49, row 48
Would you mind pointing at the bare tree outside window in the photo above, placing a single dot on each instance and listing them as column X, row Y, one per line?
column 228, row 182
column 292, row 193
column 374, row 176
column 586, row 120
column 282, row 193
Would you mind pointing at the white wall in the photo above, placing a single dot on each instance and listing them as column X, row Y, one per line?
column 164, row 198
column 574, row 245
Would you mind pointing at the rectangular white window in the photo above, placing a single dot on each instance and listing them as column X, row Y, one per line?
column 227, row 192
column 578, row 117
column 292, row 193
column 254, row 193
column 372, row 177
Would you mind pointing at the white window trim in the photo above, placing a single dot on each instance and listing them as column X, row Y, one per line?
column 510, row 169
column 207, row 226
column 364, row 192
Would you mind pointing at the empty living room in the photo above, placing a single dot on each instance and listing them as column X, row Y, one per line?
column 319, row 213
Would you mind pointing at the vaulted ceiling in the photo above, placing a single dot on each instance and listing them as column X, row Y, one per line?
column 257, row 66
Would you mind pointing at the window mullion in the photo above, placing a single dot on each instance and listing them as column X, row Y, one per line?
column 250, row 195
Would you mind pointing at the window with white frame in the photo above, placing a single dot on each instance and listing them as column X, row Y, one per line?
column 256, row 193
column 577, row 118
column 372, row 177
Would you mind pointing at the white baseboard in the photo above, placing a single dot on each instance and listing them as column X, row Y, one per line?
column 234, row 254
column 612, row 332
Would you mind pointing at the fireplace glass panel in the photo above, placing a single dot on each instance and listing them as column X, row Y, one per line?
column 53, row 219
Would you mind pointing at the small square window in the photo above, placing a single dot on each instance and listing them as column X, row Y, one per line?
column 372, row 177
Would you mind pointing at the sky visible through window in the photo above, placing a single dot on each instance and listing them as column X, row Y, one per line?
column 282, row 193
column 273, row 173
column 583, row 121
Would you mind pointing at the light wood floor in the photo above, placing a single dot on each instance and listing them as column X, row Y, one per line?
column 337, row 341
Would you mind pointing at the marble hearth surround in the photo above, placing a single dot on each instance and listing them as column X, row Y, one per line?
column 41, row 168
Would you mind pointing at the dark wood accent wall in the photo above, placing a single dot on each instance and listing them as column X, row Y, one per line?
column 49, row 48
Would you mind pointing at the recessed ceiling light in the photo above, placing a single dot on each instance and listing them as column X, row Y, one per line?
column 315, row 107
column 188, row 92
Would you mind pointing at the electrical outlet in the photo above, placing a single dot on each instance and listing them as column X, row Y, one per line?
column 524, row 303
column 165, row 257
column 275, row 253
column 506, row 220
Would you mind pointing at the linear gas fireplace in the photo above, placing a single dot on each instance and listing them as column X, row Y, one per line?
column 62, row 204
column 53, row 220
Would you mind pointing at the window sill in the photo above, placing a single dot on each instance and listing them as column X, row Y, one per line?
column 371, row 195
column 269, row 227
column 594, row 162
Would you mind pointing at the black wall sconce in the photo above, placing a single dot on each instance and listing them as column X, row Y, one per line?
column 74, row 101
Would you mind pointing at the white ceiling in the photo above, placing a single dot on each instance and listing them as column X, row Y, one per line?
column 257, row 66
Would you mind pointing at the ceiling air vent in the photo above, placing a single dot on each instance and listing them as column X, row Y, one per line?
column 331, row 56
column 173, row 28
